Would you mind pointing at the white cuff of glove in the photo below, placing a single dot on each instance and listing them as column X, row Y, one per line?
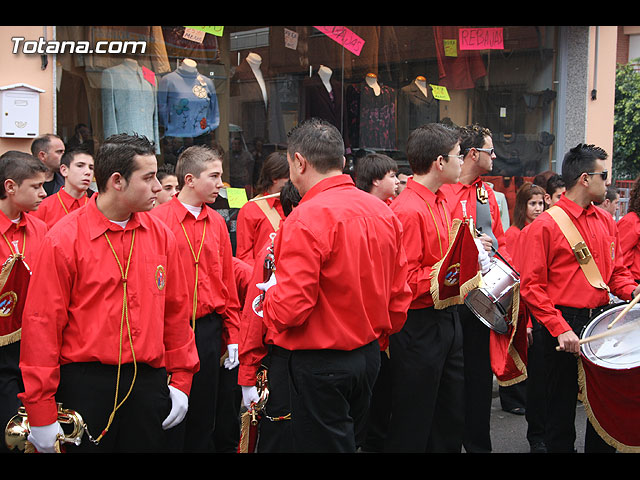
column 231, row 361
column 249, row 396
column 44, row 438
column 179, row 407
column 483, row 257
column 268, row 284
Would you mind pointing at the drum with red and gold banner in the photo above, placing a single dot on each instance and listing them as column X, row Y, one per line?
column 609, row 376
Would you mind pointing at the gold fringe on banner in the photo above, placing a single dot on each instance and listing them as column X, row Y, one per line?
column 584, row 398
column 513, row 352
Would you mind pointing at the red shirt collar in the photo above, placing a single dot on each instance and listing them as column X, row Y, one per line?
column 98, row 223
column 327, row 183
column 424, row 193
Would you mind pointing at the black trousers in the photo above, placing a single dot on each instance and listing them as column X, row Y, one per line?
column 478, row 383
column 330, row 392
column 535, row 396
column 89, row 389
column 195, row 432
column 380, row 409
column 427, row 378
column 227, row 427
column 275, row 427
column 561, row 373
column 10, row 385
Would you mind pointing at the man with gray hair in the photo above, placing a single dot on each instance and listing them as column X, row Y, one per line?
column 341, row 290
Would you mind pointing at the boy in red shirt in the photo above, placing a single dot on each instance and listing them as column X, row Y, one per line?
column 205, row 250
column 76, row 166
column 106, row 323
column 426, row 361
column 21, row 190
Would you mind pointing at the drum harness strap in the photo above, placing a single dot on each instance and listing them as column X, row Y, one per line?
column 579, row 247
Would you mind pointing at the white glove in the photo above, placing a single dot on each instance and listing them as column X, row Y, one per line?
column 483, row 257
column 249, row 396
column 268, row 284
column 44, row 438
column 179, row 407
column 232, row 361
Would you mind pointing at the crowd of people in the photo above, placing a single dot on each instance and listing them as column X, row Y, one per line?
column 141, row 316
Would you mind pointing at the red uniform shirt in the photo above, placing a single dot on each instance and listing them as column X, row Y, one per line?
column 75, row 303
column 511, row 237
column 56, row 206
column 341, row 271
column 550, row 274
column 216, row 278
column 426, row 222
column 253, row 228
column 253, row 332
column 462, row 199
column 629, row 239
column 25, row 237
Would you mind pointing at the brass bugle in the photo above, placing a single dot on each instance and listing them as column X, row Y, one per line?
column 17, row 429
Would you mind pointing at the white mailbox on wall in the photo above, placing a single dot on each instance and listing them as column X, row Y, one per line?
column 20, row 110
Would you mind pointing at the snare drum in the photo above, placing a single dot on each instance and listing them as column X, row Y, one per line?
column 492, row 301
column 617, row 351
column 609, row 378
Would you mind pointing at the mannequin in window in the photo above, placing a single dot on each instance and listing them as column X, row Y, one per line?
column 324, row 99
column 187, row 102
column 254, row 60
column 416, row 107
column 129, row 101
column 371, row 114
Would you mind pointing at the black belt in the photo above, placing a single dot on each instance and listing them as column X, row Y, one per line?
column 587, row 313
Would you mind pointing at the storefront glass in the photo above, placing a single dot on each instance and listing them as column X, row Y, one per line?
column 243, row 88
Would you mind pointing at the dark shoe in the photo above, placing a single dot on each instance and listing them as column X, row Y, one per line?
column 517, row 411
column 538, row 447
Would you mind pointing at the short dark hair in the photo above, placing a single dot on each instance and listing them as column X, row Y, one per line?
column 554, row 182
column 41, row 143
column 611, row 195
column 194, row 160
column 117, row 155
column 473, row 136
column 69, row 155
column 319, row 142
column 275, row 166
column 289, row 197
column 580, row 159
column 165, row 170
column 18, row 166
column 373, row 166
column 427, row 142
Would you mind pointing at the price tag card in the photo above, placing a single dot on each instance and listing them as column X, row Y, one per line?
column 236, row 197
column 440, row 92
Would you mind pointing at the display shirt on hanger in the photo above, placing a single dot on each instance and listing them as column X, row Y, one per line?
column 187, row 103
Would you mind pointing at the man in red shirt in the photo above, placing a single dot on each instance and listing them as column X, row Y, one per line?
column 558, row 293
column 21, row 191
column 426, row 361
column 341, row 289
column 76, row 166
column 205, row 250
column 472, row 198
column 106, row 323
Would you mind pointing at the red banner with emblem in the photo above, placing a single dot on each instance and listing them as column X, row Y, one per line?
column 14, row 281
column 457, row 273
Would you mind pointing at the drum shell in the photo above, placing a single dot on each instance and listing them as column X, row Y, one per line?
column 492, row 301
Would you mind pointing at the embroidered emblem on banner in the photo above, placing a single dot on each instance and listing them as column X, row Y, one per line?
column 8, row 302
column 452, row 275
column 161, row 277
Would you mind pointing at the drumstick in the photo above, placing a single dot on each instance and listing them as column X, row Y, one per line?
column 255, row 199
column 608, row 333
column 626, row 309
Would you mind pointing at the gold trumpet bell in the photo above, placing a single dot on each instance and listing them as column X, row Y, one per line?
column 17, row 429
